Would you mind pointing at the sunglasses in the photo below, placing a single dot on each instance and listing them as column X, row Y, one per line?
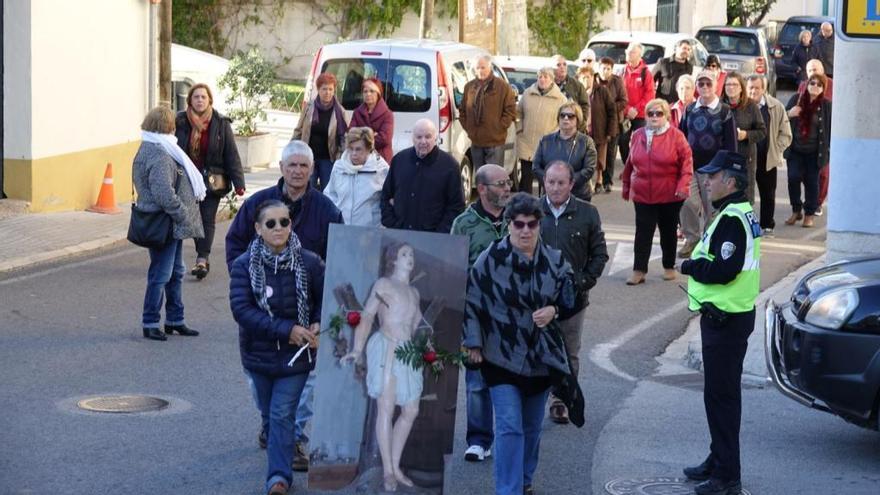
column 655, row 113
column 713, row 66
column 270, row 223
column 567, row 116
column 816, row 83
column 501, row 183
column 704, row 84
column 296, row 164
column 531, row 224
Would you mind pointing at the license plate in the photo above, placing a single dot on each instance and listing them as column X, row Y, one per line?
column 730, row 66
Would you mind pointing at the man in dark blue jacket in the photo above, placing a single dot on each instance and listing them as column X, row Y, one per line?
column 311, row 211
column 422, row 190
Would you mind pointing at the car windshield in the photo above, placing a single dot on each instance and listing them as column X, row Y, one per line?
column 522, row 79
column 729, row 42
column 792, row 30
column 406, row 83
column 616, row 50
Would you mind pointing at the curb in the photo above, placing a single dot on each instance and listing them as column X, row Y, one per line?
column 59, row 254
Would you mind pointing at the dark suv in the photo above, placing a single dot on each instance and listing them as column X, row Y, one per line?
column 741, row 49
column 788, row 39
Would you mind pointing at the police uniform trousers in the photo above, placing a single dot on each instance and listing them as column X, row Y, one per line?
column 724, row 349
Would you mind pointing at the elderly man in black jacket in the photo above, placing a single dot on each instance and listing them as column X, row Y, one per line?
column 422, row 190
column 572, row 226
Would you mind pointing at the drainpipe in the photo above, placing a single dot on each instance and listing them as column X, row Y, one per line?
column 153, row 41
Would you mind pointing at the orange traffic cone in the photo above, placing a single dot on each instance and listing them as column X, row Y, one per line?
column 106, row 198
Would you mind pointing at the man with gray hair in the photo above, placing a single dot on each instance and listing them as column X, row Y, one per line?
column 825, row 47
column 422, row 190
column 488, row 107
column 572, row 89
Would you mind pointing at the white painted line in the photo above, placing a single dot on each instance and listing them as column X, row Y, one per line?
column 623, row 257
column 601, row 353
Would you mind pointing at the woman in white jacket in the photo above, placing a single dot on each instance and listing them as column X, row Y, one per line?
column 355, row 184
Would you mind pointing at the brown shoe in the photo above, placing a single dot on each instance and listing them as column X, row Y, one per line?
column 794, row 218
column 687, row 249
column 808, row 221
column 278, row 489
column 669, row 274
column 636, row 278
column 300, row 458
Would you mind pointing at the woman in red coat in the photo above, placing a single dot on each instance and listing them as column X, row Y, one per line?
column 374, row 113
column 657, row 178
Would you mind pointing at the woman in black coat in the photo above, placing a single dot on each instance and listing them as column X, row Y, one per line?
column 803, row 53
column 206, row 136
column 750, row 127
column 275, row 293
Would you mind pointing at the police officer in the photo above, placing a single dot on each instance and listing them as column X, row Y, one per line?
column 724, row 282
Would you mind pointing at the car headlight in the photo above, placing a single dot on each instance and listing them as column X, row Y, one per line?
column 830, row 279
column 833, row 309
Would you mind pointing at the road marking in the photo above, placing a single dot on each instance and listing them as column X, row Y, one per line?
column 601, row 353
column 623, row 257
column 777, row 245
column 66, row 266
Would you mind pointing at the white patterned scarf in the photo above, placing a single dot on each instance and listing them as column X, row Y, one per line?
column 168, row 142
column 290, row 258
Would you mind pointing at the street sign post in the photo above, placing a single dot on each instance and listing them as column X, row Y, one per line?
column 858, row 20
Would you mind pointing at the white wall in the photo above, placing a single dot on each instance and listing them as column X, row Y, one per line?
column 783, row 9
column 89, row 73
column 16, row 79
column 695, row 14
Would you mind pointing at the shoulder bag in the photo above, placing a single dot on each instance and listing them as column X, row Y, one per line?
column 150, row 229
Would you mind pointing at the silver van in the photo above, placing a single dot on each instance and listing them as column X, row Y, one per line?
column 422, row 78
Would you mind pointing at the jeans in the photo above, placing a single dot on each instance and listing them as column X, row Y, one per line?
column 481, row 155
column 164, row 281
column 208, row 209
column 479, row 410
column 321, row 174
column 649, row 217
column 803, row 168
column 518, row 421
column 304, row 410
column 278, row 398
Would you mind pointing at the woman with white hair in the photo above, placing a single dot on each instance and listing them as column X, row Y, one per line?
column 685, row 88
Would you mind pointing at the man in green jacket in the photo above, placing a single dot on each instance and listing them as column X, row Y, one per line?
column 483, row 223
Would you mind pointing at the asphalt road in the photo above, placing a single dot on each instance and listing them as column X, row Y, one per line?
column 71, row 330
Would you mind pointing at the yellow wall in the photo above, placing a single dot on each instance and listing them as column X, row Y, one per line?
column 70, row 181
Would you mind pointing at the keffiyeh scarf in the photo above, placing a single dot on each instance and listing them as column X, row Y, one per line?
column 288, row 259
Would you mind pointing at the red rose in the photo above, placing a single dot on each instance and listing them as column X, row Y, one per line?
column 429, row 356
column 353, row 318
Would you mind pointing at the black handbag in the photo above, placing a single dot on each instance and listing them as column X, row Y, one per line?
column 216, row 182
column 150, row 229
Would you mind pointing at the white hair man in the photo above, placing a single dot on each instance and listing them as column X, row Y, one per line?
column 488, row 108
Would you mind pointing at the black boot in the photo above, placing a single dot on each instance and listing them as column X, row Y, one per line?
column 701, row 472
column 154, row 334
column 715, row 486
column 181, row 329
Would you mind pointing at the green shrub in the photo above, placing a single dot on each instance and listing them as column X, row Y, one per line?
column 250, row 80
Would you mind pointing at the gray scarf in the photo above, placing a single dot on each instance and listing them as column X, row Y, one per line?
column 289, row 258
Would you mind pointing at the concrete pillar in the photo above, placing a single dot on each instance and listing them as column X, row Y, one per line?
column 513, row 28
column 854, row 208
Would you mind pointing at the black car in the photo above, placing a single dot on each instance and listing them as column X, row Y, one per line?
column 788, row 39
column 823, row 346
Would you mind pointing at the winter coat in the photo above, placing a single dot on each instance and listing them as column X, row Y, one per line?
column 356, row 191
column 578, row 234
column 708, row 130
column 504, row 289
column 602, row 110
column 825, row 51
column 579, row 152
column 824, row 135
column 639, row 85
column 779, row 132
column 162, row 184
column 799, row 58
column 422, row 193
column 498, row 111
column 381, row 121
column 653, row 176
column 303, row 131
column 222, row 154
column 538, row 117
column 576, row 92
column 263, row 340
column 617, row 90
column 479, row 229
column 666, row 73
column 311, row 225
column 748, row 118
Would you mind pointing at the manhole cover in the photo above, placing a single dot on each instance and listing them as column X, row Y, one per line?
column 653, row 486
column 122, row 404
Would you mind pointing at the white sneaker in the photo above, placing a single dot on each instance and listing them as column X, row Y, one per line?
column 475, row 453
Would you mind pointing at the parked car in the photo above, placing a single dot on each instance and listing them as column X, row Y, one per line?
column 657, row 45
column 741, row 49
column 422, row 78
column 823, row 346
column 190, row 66
column 522, row 71
column 788, row 39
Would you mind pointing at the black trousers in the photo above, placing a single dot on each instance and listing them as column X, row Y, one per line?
column 648, row 218
column 624, row 138
column 208, row 209
column 526, row 176
column 766, row 181
column 724, row 349
column 803, row 168
column 610, row 158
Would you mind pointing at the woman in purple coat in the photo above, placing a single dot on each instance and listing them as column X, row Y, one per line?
column 374, row 113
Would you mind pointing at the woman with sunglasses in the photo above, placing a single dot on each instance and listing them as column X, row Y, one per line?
column 750, row 127
column 810, row 118
column 657, row 177
column 516, row 289
column 571, row 146
column 376, row 115
column 275, row 291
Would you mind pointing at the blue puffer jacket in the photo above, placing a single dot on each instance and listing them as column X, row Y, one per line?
column 263, row 339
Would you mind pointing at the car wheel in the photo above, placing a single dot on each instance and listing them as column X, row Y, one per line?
column 467, row 177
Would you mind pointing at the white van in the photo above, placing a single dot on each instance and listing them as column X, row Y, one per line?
column 422, row 78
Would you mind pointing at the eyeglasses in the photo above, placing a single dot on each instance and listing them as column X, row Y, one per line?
column 587, row 60
column 713, row 66
column 816, row 83
column 270, row 223
column 656, row 113
column 704, row 84
column 566, row 115
column 501, row 183
column 531, row 224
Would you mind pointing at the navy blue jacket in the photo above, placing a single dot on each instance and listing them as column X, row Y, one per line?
column 425, row 192
column 311, row 225
column 264, row 340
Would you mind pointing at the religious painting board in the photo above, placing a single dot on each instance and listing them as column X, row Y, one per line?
column 388, row 355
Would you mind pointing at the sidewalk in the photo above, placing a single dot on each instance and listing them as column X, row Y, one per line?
column 30, row 239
